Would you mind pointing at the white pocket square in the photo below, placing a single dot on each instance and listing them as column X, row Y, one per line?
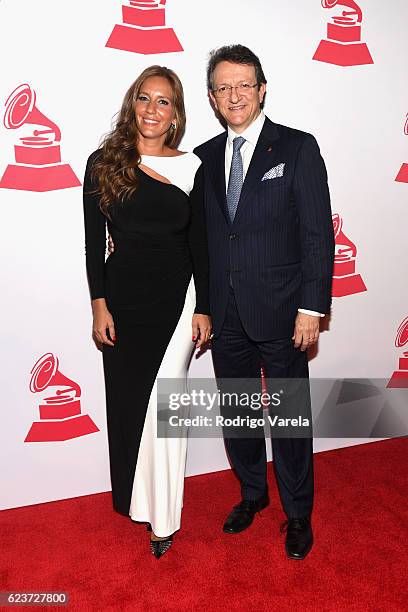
column 274, row 172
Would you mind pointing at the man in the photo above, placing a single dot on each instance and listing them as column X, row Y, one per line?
column 271, row 250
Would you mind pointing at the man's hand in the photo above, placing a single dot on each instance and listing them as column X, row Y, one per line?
column 201, row 326
column 111, row 246
column 306, row 330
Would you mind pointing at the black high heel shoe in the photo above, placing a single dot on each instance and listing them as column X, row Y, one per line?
column 159, row 547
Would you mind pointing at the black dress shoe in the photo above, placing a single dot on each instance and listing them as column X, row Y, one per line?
column 299, row 537
column 243, row 514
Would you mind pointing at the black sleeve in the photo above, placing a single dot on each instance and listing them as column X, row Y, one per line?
column 95, row 236
column 316, row 227
column 197, row 239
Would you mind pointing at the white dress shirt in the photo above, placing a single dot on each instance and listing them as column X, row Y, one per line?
column 251, row 135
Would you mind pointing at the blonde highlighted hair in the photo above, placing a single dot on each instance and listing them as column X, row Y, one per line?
column 114, row 169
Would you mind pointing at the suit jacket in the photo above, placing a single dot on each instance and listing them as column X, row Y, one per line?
column 279, row 250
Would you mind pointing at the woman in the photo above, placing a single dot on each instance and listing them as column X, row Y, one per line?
column 144, row 301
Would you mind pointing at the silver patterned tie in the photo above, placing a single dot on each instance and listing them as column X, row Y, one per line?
column 236, row 177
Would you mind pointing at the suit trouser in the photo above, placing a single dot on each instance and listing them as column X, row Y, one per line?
column 235, row 355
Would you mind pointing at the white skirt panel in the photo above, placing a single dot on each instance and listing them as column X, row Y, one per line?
column 158, row 486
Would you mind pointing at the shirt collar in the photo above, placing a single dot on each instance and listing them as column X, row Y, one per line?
column 252, row 133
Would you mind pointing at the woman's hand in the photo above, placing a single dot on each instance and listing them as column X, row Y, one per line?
column 201, row 329
column 102, row 320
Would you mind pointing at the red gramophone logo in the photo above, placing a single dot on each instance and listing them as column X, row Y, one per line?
column 60, row 414
column 144, row 29
column 38, row 164
column 343, row 46
column 345, row 279
column 402, row 176
column 400, row 377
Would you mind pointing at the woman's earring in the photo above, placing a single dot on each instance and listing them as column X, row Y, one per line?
column 173, row 126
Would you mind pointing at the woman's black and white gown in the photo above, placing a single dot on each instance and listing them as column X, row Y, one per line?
column 160, row 241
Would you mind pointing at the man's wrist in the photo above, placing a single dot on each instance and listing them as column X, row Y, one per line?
column 313, row 313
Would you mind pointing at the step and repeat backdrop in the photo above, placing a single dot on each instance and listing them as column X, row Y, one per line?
column 337, row 69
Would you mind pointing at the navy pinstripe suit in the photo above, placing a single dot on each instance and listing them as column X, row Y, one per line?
column 279, row 250
column 278, row 256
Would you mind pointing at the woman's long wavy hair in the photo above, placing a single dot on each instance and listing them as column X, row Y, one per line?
column 114, row 169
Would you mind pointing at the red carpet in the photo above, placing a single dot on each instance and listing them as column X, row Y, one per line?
column 359, row 561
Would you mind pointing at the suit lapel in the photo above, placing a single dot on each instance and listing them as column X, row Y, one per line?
column 219, row 176
column 265, row 156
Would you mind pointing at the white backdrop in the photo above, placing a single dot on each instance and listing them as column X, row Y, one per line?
column 357, row 114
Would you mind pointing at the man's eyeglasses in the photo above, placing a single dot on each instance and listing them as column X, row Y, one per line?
column 225, row 90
